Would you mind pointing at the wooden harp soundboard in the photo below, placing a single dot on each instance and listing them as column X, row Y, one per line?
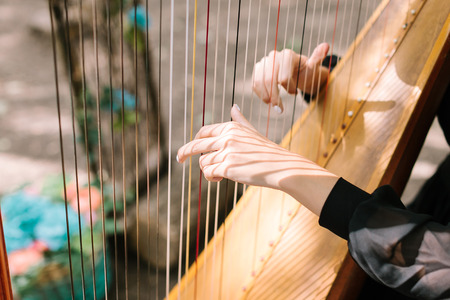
column 369, row 132
column 387, row 110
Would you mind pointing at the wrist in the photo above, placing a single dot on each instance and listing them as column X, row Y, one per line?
column 308, row 183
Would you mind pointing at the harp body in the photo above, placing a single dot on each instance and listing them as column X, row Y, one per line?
column 272, row 248
column 366, row 126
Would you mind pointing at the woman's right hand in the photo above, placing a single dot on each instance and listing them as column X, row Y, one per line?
column 235, row 150
column 282, row 68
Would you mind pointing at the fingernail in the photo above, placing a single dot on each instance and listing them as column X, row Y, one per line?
column 237, row 106
column 178, row 160
column 277, row 109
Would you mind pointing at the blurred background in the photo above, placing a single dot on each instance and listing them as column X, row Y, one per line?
column 29, row 132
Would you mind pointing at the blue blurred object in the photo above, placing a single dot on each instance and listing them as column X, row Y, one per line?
column 141, row 18
column 28, row 217
column 129, row 100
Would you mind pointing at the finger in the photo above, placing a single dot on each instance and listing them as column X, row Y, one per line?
column 223, row 170
column 197, row 146
column 279, row 108
column 258, row 81
column 271, row 80
column 210, row 173
column 318, row 55
column 237, row 116
column 210, row 130
column 211, row 158
column 289, row 70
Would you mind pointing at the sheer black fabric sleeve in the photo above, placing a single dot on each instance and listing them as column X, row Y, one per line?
column 406, row 251
column 443, row 115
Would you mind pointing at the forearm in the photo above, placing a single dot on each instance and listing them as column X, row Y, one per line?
column 306, row 182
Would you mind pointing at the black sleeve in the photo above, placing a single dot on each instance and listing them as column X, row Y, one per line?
column 443, row 115
column 406, row 251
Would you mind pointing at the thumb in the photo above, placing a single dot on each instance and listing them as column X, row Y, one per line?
column 318, row 55
column 237, row 116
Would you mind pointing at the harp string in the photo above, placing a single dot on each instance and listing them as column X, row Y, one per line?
column 234, row 89
column 86, row 143
column 158, row 163
column 315, row 67
column 264, row 64
column 298, row 68
column 99, row 127
column 183, row 182
column 366, row 16
column 138, row 281
column 113, row 166
column 259, row 118
column 147, row 119
column 328, row 81
column 216, row 221
column 226, row 60
column 169, row 150
column 216, row 212
column 200, row 171
column 245, row 65
column 351, row 59
column 275, row 134
column 281, row 70
column 69, row 64
column 208, row 194
column 273, row 66
column 61, row 147
column 96, row 40
column 334, row 119
column 123, row 151
column 255, row 56
column 191, row 137
column 246, row 55
column 236, row 52
column 221, row 277
column 208, row 202
column 386, row 18
column 84, row 89
column 232, row 104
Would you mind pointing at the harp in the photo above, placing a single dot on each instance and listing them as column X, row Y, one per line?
column 376, row 109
